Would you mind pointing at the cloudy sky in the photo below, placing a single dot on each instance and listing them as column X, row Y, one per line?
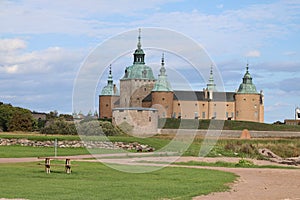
column 44, row 43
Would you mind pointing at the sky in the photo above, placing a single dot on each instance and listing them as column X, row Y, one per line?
column 43, row 45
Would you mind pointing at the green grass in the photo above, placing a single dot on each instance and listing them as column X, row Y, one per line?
column 96, row 181
column 37, row 136
column 228, row 125
column 22, row 151
column 241, row 164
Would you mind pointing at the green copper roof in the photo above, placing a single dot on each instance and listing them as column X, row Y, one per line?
column 211, row 86
column 109, row 89
column 247, row 87
column 162, row 84
column 138, row 70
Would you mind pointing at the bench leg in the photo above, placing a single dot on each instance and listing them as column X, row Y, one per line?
column 68, row 166
column 47, row 166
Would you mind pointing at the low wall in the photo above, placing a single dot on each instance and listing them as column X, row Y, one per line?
column 232, row 133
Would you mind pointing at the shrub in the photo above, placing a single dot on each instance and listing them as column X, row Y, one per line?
column 60, row 127
column 95, row 127
column 244, row 163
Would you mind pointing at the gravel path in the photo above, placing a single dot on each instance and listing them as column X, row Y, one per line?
column 257, row 184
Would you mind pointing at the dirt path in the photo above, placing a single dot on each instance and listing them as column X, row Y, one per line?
column 256, row 184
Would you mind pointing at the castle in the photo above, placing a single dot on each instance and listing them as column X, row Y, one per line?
column 141, row 91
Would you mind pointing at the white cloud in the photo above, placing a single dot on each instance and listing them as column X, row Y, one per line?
column 11, row 44
column 52, row 59
column 10, row 69
column 253, row 54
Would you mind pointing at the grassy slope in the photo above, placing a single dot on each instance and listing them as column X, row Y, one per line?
column 228, row 125
column 96, row 181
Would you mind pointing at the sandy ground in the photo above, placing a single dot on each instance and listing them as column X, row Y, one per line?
column 258, row 184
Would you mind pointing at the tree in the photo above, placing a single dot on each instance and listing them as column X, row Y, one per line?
column 15, row 118
column 21, row 120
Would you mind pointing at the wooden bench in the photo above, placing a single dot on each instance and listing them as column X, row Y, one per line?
column 48, row 164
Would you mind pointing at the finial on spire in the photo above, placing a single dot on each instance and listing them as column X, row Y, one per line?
column 163, row 59
column 110, row 69
column 139, row 40
column 247, row 68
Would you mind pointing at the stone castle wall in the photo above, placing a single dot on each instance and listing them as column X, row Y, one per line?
column 136, row 121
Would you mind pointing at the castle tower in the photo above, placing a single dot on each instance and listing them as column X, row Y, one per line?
column 162, row 94
column 108, row 97
column 138, row 80
column 249, row 104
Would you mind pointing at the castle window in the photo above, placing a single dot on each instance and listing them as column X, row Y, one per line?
column 203, row 104
column 195, row 104
column 237, row 113
column 256, row 114
column 215, row 115
column 178, row 104
column 227, row 105
column 203, row 115
column 106, row 105
column 145, row 89
column 227, row 115
column 164, row 114
column 196, row 115
column 244, row 99
column 149, row 119
column 174, row 115
column 215, row 104
column 255, row 106
column 163, row 99
column 138, row 99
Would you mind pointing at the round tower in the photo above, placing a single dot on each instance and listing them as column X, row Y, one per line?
column 107, row 98
column 248, row 102
column 138, row 80
column 162, row 94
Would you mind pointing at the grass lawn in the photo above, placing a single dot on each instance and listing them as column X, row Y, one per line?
column 96, row 181
column 22, row 151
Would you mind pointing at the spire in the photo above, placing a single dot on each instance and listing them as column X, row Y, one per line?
column 162, row 84
column 110, row 88
column 139, row 40
column 139, row 54
column 211, row 86
column 162, row 69
column 247, row 86
column 110, row 77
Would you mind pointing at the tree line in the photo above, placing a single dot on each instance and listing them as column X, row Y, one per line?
column 21, row 119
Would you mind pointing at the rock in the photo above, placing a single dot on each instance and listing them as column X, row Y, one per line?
column 245, row 134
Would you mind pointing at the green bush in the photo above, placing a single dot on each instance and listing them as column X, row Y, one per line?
column 244, row 163
column 60, row 127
